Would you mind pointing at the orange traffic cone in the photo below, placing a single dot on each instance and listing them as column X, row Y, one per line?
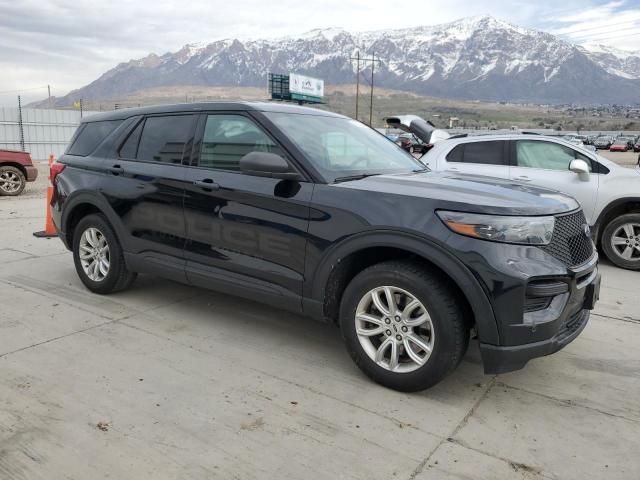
column 49, row 229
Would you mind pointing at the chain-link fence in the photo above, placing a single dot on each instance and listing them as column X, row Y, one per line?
column 41, row 132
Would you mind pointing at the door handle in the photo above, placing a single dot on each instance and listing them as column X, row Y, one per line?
column 522, row 178
column 207, row 184
column 116, row 169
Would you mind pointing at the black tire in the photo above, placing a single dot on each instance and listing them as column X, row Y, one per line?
column 451, row 331
column 15, row 174
column 610, row 231
column 118, row 277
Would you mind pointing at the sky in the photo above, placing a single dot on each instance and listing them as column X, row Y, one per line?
column 69, row 43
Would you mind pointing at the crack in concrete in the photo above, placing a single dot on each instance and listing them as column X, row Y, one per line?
column 420, row 467
column 58, row 338
column 514, row 465
column 623, row 319
column 568, row 403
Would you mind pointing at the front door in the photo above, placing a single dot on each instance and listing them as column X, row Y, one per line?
column 546, row 164
column 246, row 234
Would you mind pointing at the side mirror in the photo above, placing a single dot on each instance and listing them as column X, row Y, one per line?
column 265, row 164
column 581, row 168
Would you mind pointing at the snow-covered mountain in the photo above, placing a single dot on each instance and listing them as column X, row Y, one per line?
column 617, row 62
column 473, row 58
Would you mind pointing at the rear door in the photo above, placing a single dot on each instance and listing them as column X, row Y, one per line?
column 483, row 157
column 546, row 164
column 246, row 234
column 147, row 189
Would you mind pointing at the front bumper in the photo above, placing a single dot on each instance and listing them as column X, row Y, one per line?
column 498, row 359
column 539, row 303
column 32, row 173
column 561, row 326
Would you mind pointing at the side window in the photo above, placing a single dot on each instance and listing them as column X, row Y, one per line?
column 455, row 155
column 487, row 153
column 546, row 155
column 227, row 138
column 129, row 148
column 164, row 139
column 90, row 135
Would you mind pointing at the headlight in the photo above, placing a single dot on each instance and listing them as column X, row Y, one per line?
column 497, row 228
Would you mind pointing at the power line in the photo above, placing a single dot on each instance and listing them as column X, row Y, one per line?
column 614, row 37
column 23, row 90
column 596, row 36
column 596, row 28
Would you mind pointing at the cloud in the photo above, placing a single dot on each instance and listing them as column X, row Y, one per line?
column 615, row 24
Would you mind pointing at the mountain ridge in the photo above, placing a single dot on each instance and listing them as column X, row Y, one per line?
column 479, row 58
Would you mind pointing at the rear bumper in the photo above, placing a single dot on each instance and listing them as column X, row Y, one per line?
column 32, row 173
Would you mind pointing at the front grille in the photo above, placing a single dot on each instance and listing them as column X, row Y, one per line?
column 569, row 243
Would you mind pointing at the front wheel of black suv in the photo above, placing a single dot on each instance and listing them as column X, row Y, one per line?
column 621, row 241
column 403, row 325
column 98, row 256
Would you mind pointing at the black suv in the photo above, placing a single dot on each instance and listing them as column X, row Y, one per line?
column 319, row 214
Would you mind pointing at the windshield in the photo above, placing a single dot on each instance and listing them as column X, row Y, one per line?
column 341, row 147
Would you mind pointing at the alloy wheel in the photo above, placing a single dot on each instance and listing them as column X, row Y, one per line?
column 9, row 182
column 625, row 241
column 94, row 254
column 394, row 329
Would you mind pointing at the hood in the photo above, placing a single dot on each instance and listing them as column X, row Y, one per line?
column 470, row 193
column 418, row 126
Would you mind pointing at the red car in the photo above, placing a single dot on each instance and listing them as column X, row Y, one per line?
column 619, row 146
column 16, row 169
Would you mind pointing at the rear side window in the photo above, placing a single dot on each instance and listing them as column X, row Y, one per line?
column 164, row 139
column 488, row 153
column 455, row 155
column 90, row 135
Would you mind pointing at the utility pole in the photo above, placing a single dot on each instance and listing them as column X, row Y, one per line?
column 20, row 124
column 80, row 108
column 373, row 61
column 373, row 64
column 49, row 91
column 357, row 81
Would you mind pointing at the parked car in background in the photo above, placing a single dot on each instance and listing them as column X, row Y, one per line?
column 591, row 139
column 603, row 142
column 619, row 145
column 16, row 169
column 317, row 213
column 636, row 145
column 411, row 144
column 609, row 194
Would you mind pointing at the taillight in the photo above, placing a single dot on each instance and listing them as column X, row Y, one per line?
column 55, row 170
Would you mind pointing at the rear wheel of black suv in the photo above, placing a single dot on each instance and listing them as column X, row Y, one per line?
column 98, row 256
column 621, row 241
column 403, row 326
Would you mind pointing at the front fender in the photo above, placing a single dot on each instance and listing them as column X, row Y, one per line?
column 430, row 251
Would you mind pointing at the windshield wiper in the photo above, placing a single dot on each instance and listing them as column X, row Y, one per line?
column 349, row 178
column 420, row 170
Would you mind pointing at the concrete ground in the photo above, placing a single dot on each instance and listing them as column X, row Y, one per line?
column 167, row 381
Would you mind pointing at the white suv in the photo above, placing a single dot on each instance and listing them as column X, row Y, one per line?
column 609, row 194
